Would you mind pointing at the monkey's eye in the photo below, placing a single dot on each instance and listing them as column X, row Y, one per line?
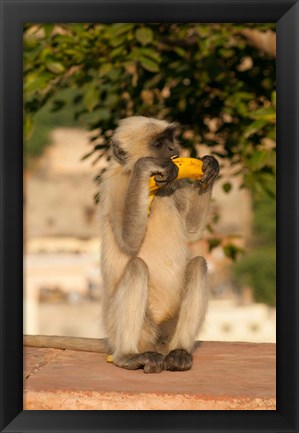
column 158, row 144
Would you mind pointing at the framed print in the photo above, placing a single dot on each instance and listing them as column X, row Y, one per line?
column 19, row 15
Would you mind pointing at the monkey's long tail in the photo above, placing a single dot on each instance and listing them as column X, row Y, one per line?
column 70, row 343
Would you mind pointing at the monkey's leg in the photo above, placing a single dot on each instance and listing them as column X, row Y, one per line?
column 127, row 314
column 191, row 316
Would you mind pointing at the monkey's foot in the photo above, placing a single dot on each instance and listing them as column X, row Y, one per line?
column 178, row 360
column 151, row 362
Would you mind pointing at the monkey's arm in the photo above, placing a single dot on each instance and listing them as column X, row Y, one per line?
column 200, row 199
column 134, row 221
column 130, row 222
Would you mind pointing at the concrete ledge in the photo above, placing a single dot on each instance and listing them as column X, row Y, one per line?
column 225, row 376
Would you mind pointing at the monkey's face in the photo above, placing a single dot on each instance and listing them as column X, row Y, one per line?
column 139, row 136
column 164, row 144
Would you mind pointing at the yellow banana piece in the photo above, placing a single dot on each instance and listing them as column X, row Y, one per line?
column 189, row 168
column 109, row 358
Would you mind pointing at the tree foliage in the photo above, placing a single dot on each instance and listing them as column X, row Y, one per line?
column 206, row 76
column 257, row 269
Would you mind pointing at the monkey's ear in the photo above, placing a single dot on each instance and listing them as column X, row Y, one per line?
column 118, row 153
column 176, row 129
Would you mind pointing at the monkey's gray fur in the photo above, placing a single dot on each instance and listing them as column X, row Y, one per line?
column 155, row 297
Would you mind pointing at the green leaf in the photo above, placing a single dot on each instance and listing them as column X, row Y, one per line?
column 144, row 35
column 180, row 51
column 273, row 99
column 213, row 243
column 36, row 81
column 227, row 187
column 55, row 67
column 113, row 30
column 46, row 54
column 259, row 159
column 232, row 251
column 77, row 27
column 102, row 113
column 268, row 114
column 48, row 29
column 28, row 126
column 149, row 64
column 112, row 99
column 149, row 52
column 272, row 133
column 91, row 97
column 104, row 69
column 115, row 42
column 117, row 52
column 254, row 127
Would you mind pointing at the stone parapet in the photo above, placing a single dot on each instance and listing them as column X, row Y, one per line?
column 224, row 376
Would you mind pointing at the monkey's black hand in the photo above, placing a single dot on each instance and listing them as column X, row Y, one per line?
column 163, row 170
column 210, row 169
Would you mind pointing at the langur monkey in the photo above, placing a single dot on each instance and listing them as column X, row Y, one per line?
column 155, row 296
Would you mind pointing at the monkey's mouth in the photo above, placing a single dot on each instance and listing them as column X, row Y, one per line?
column 174, row 156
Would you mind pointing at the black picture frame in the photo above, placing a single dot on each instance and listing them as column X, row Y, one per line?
column 13, row 14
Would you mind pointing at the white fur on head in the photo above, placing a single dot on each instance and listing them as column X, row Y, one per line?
column 134, row 134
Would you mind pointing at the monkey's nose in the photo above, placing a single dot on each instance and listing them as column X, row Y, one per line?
column 174, row 153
